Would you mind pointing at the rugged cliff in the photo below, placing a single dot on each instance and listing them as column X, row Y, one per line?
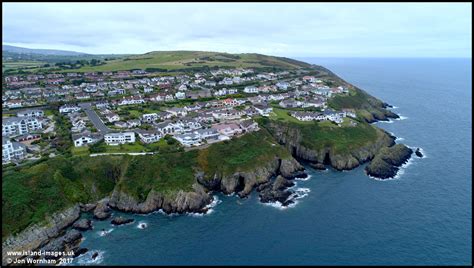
column 388, row 160
column 179, row 202
column 294, row 138
column 38, row 235
column 242, row 183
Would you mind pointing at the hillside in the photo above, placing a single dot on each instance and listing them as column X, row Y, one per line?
column 33, row 192
column 22, row 50
column 173, row 60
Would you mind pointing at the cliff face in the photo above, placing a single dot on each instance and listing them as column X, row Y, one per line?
column 242, row 183
column 194, row 201
column 292, row 139
column 388, row 160
column 36, row 236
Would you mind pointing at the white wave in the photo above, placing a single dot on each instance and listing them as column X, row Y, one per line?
column 106, row 232
column 301, row 192
column 303, row 179
column 209, row 207
column 277, row 205
column 399, row 139
column 386, row 122
column 394, row 107
column 298, row 193
column 86, row 259
column 401, row 118
column 142, row 225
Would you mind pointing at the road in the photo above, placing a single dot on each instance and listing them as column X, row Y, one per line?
column 94, row 117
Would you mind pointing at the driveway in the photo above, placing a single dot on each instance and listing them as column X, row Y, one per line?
column 94, row 117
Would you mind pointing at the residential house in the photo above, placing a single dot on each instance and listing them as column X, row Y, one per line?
column 228, row 129
column 85, row 138
column 249, row 125
column 119, row 138
column 12, row 150
column 263, row 109
column 149, row 136
column 20, row 125
column 30, row 113
column 68, row 108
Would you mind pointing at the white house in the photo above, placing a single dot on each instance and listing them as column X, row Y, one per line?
column 148, row 136
column 251, row 89
column 20, row 125
column 68, row 108
column 31, row 113
column 263, row 109
column 189, row 139
column 85, row 138
column 112, row 117
column 148, row 118
column 12, row 150
column 119, row 138
column 180, row 95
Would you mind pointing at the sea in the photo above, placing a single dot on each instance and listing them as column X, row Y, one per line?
column 421, row 217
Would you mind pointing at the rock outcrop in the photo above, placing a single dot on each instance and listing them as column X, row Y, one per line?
column 102, row 210
column 388, row 160
column 82, row 225
column 292, row 139
column 70, row 241
column 418, row 153
column 242, row 183
column 276, row 191
column 36, row 236
column 121, row 221
column 179, row 202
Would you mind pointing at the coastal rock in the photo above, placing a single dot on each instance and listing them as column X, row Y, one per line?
column 179, row 202
column 291, row 138
column 318, row 166
column 69, row 241
column 80, row 251
column 87, row 207
column 418, row 153
column 121, row 221
column 290, row 168
column 385, row 164
column 102, row 210
column 82, row 225
column 243, row 183
column 276, row 191
column 36, row 236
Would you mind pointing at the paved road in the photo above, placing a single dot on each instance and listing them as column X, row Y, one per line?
column 94, row 117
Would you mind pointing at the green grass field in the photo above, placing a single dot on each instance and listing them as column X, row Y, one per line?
column 182, row 60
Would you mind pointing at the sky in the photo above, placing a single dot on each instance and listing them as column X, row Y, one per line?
column 280, row 29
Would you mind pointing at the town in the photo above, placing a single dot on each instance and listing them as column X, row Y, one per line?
column 105, row 109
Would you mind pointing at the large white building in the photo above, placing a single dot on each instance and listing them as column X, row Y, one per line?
column 20, row 125
column 85, row 138
column 12, row 150
column 119, row 138
column 30, row 113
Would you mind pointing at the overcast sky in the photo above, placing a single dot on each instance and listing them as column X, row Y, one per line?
column 293, row 30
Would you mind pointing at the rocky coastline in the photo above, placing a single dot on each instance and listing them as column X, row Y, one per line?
column 386, row 163
column 271, row 181
column 291, row 138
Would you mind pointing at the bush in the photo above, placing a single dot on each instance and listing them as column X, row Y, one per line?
column 98, row 147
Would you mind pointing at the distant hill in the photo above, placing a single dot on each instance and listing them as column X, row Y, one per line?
column 22, row 50
column 180, row 60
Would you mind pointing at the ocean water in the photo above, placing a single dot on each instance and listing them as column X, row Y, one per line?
column 423, row 217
